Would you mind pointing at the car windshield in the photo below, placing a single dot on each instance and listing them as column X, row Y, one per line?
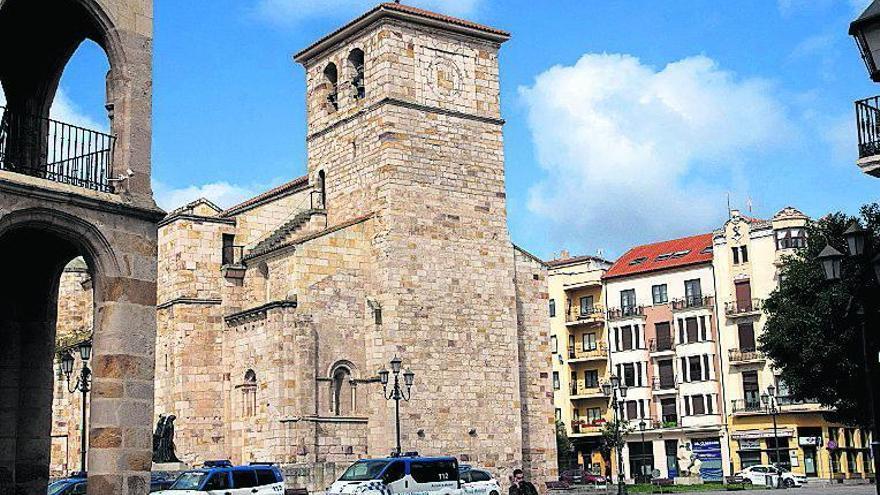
column 57, row 486
column 190, row 480
column 364, row 471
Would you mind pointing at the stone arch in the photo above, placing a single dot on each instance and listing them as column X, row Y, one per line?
column 331, row 80
column 355, row 69
column 343, row 388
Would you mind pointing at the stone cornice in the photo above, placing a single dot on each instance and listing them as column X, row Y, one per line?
column 410, row 105
column 258, row 313
column 195, row 218
column 326, row 419
column 189, row 300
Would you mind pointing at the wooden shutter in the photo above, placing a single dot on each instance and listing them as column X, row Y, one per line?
column 746, row 332
column 743, row 295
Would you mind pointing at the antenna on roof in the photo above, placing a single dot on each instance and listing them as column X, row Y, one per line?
column 749, row 205
column 728, row 205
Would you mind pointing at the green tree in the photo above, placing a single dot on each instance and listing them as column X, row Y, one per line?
column 614, row 435
column 564, row 447
column 813, row 328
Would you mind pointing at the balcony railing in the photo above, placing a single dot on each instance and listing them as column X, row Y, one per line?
column 661, row 385
column 668, row 421
column 587, row 426
column 755, row 406
column 745, row 355
column 581, row 389
column 662, row 344
column 868, row 125
column 693, row 302
column 626, row 312
column 735, row 308
column 232, row 255
column 56, row 151
column 599, row 352
column 594, row 314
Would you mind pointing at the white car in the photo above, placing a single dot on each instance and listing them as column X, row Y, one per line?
column 406, row 475
column 222, row 478
column 479, row 482
column 766, row 475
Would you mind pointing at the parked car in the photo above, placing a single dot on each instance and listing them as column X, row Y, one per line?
column 767, row 475
column 479, row 482
column 407, row 474
column 256, row 478
column 76, row 484
column 581, row 477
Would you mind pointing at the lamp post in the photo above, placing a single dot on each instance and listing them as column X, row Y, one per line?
column 614, row 389
column 642, row 426
column 772, row 406
column 859, row 244
column 866, row 31
column 83, row 385
column 397, row 393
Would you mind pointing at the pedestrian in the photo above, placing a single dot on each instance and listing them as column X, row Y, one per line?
column 520, row 486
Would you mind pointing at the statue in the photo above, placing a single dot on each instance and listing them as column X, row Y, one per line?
column 688, row 463
column 163, row 440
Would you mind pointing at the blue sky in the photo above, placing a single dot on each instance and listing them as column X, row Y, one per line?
column 627, row 121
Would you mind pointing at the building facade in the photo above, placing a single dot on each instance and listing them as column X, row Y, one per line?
column 663, row 342
column 578, row 344
column 748, row 253
column 275, row 315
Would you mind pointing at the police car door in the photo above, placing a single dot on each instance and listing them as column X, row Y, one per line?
column 244, row 482
column 267, row 483
column 393, row 477
column 218, row 484
column 434, row 475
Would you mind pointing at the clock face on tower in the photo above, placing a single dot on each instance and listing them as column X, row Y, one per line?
column 444, row 77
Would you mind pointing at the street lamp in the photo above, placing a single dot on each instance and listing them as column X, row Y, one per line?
column 397, row 393
column 768, row 398
column 866, row 31
column 614, row 389
column 860, row 245
column 642, row 426
column 83, row 385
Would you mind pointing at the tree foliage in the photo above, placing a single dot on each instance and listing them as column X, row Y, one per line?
column 614, row 434
column 564, row 447
column 813, row 328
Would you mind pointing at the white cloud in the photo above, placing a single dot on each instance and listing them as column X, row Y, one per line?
column 293, row 11
column 628, row 150
column 223, row 194
column 65, row 110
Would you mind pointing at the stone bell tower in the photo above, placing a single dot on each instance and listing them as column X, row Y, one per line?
column 404, row 124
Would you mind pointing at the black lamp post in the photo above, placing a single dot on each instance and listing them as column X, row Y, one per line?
column 772, row 406
column 859, row 244
column 83, row 385
column 614, row 389
column 397, row 393
column 642, row 456
column 866, row 31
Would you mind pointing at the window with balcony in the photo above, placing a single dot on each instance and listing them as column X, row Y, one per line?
column 664, row 336
column 555, row 380
column 594, row 414
column 751, row 392
column 746, row 333
column 574, row 383
column 632, row 409
column 667, row 374
column 552, row 308
column 628, row 302
column 589, row 342
column 227, row 253
column 629, row 374
column 791, row 238
column 660, row 294
column 695, row 369
column 669, row 412
column 591, row 378
column 693, row 292
column 586, row 305
column 626, row 338
column 698, row 405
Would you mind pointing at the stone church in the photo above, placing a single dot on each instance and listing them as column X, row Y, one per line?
column 275, row 315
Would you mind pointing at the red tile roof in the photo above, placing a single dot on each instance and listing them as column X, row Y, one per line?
column 672, row 254
column 293, row 185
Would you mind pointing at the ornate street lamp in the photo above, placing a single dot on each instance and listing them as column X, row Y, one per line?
column 83, row 385
column 768, row 398
column 866, row 31
column 831, row 260
column 856, row 237
column 397, row 393
column 616, row 389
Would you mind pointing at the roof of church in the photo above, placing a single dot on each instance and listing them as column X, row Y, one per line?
column 663, row 255
column 292, row 186
column 405, row 12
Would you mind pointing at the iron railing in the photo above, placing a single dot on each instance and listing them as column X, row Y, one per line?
column 580, row 388
column 668, row 421
column 600, row 352
column 626, row 312
column 594, row 314
column 868, row 125
column 232, row 255
column 744, row 355
column 733, row 308
column 755, row 406
column 659, row 385
column 661, row 344
column 693, row 302
column 53, row 150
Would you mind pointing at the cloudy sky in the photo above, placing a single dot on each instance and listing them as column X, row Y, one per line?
column 628, row 121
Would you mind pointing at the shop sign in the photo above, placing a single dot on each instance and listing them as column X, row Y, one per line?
column 749, row 444
column 810, row 441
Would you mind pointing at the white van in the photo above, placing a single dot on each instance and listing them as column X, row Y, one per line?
column 409, row 474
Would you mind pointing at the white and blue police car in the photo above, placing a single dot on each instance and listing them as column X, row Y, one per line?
column 409, row 474
column 222, row 478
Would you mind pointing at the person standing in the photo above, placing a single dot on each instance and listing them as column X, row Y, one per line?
column 520, row 486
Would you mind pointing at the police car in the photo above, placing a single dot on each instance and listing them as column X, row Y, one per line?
column 222, row 478
column 409, row 474
column 478, row 482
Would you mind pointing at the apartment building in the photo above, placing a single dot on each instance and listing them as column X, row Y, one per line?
column 580, row 354
column 663, row 342
column 748, row 252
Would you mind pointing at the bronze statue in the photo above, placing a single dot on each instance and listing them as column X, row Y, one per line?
column 163, row 440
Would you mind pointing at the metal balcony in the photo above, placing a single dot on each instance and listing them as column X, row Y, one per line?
column 743, row 406
column 693, row 302
column 578, row 354
column 665, row 344
column 743, row 308
column 742, row 356
column 868, row 127
column 626, row 312
column 595, row 314
column 56, row 151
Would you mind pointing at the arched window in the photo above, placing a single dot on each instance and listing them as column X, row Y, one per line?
column 331, row 77
column 342, row 391
column 356, row 69
column 322, row 189
column 249, row 394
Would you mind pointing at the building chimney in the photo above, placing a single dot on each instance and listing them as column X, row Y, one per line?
column 564, row 254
